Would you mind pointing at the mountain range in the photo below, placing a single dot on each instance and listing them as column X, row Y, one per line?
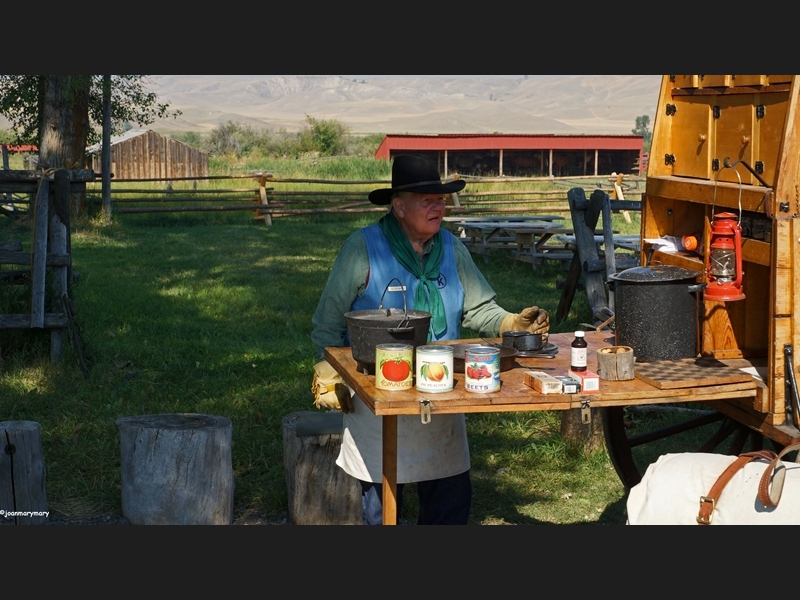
column 400, row 104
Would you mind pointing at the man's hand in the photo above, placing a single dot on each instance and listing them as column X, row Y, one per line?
column 329, row 389
column 533, row 319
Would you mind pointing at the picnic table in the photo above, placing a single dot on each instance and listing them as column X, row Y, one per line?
column 483, row 236
column 513, row 395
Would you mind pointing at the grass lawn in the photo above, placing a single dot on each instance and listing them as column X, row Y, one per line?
column 211, row 313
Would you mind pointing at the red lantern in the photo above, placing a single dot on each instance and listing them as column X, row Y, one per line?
column 724, row 269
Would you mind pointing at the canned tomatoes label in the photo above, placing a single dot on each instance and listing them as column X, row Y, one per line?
column 482, row 369
column 434, row 368
column 393, row 366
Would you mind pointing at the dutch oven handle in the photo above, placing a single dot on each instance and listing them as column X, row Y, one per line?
column 697, row 287
column 400, row 326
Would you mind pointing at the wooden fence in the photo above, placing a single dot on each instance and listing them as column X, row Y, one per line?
column 270, row 197
column 47, row 266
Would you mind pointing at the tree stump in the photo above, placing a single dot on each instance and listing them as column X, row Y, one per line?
column 578, row 433
column 320, row 492
column 23, row 498
column 177, row 469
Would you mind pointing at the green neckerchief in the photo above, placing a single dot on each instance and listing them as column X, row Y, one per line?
column 427, row 297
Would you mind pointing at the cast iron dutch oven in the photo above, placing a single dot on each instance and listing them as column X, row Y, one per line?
column 368, row 328
column 656, row 311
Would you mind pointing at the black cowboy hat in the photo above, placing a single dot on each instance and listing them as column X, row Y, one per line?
column 412, row 173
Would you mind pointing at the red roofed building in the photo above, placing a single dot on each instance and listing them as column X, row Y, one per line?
column 21, row 148
column 523, row 155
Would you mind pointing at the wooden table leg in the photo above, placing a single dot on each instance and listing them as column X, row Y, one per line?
column 390, row 469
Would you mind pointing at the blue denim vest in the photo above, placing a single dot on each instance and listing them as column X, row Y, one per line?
column 383, row 267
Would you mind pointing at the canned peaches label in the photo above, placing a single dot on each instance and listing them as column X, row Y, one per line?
column 393, row 369
column 435, row 368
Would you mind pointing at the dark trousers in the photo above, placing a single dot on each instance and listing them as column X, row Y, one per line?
column 441, row 501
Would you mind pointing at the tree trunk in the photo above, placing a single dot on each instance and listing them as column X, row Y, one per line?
column 64, row 125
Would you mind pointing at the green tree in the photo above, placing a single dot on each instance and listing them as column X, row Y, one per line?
column 191, row 138
column 64, row 113
column 327, row 137
column 643, row 128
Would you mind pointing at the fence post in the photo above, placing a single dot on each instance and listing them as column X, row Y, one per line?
column 39, row 257
column 58, row 236
column 262, row 193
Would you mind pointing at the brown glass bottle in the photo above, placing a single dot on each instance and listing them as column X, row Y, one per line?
column 579, row 353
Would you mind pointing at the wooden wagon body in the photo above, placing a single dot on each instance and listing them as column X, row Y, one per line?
column 730, row 143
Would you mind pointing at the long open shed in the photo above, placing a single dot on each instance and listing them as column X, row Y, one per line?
column 523, row 155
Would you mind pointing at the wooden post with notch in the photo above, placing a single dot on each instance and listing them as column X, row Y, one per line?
column 264, row 201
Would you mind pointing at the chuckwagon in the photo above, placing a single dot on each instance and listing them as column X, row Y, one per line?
column 724, row 171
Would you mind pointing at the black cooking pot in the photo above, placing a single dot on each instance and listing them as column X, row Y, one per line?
column 656, row 311
column 369, row 328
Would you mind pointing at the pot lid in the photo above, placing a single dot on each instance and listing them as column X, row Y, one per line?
column 387, row 314
column 655, row 273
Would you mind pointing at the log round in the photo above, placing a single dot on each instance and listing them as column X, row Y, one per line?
column 578, row 431
column 23, row 498
column 177, row 469
column 319, row 491
column 615, row 363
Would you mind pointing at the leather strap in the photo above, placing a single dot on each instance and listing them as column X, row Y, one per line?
column 709, row 502
column 771, row 485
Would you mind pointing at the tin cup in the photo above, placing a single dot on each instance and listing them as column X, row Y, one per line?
column 482, row 369
column 394, row 367
column 434, row 368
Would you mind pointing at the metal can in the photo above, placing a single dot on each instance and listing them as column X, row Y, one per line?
column 434, row 368
column 394, row 367
column 482, row 369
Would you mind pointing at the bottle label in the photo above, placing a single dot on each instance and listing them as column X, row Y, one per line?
column 578, row 358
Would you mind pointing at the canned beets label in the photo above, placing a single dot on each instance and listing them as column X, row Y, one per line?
column 434, row 368
column 393, row 366
column 482, row 369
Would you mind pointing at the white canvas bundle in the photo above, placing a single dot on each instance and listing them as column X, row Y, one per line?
column 670, row 491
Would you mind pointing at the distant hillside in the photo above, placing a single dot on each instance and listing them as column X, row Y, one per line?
column 563, row 104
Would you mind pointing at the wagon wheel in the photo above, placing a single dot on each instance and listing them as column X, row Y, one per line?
column 632, row 446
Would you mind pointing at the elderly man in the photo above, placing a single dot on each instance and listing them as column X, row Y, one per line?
column 439, row 277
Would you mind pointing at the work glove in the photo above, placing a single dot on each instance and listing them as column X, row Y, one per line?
column 533, row 319
column 329, row 389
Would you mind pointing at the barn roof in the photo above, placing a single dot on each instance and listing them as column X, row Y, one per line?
column 116, row 139
column 506, row 141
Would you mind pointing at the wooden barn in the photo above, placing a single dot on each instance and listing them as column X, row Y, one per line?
column 145, row 154
column 524, row 155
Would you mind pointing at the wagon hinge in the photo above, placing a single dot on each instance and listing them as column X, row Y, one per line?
column 791, row 385
column 586, row 412
column 425, row 411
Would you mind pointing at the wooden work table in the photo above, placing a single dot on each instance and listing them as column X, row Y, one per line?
column 513, row 395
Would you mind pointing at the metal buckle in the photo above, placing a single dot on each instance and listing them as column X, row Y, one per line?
column 700, row 519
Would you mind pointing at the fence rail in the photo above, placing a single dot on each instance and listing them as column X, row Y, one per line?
column 173, row 195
